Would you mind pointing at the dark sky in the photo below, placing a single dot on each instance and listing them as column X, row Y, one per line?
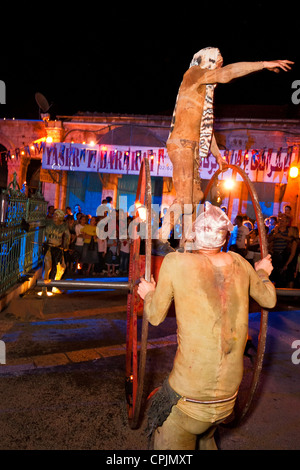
column 131, row 59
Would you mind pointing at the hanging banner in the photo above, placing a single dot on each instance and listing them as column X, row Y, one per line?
column 262, row 166
column 105, row 159
column 267, row 165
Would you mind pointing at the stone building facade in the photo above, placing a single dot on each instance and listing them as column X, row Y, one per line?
column 20, row 139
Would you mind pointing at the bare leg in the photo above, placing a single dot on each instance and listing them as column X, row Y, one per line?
column 207, row 440
column 47, row 269
column 48, row 265
column 179, row 432
column 187, row 185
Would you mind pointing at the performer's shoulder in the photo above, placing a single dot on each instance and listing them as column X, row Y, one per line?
column 238, row 258
column 178, row 256
column 173, row 256
column 193, row 74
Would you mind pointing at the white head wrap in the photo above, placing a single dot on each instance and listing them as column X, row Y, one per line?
column 206, row 58
column 210, row 229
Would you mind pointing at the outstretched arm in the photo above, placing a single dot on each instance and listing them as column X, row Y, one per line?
column 240, row 69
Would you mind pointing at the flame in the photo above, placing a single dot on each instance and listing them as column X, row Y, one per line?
column 59, row 272
column 49, row 294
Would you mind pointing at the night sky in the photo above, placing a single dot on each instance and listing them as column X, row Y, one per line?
column 130, row 60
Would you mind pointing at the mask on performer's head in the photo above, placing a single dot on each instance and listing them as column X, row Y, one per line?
column 210, row 228
column 206, row 58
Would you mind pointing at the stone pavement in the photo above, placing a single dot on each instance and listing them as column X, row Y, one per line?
column 77, row 356
column 63, row 384
column 63, row 310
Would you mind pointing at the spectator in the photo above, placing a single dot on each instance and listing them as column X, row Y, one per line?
column 278, row 241
column 297, row 272
column 122, row 224
column 69, row 255
column 124, row 255
column 68, row 211
column 272, row 223
column 292, row 249
column 77, row 217
column 109, row 203
column 82, row 220
column 288, row 213
column 102, row 249
column 242, row 237
column 248, row 224
column 77, row 210
column 103, row 209
column 90, row 245
column 50, row 212
column 57, row 242
column 253, row 249
column 112, row 257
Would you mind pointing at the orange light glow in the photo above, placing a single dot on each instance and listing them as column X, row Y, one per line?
column 142, row 211
column 49, row 294
column 228, row 184
column 294, row 172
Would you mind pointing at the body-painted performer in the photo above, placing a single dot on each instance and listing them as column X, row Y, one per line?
column 191, row 136
column 211, row 290
column 57, row 240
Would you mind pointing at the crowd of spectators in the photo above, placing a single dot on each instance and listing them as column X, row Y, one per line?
column 92, row 254
column 283, row 244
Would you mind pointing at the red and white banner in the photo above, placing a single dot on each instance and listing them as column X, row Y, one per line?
column 266, row 165
column 105, row 159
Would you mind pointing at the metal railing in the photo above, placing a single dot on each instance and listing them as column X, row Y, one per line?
column 22, row 225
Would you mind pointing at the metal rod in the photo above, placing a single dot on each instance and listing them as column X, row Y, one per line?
column 288, row 292
column 78, row 284
column 84, row 284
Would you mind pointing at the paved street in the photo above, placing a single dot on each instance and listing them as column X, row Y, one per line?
column 62, row 386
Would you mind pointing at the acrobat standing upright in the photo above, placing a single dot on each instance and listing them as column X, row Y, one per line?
column 191, row 136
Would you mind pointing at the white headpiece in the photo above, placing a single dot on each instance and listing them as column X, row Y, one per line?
column 206, row 58
column 210, row 229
